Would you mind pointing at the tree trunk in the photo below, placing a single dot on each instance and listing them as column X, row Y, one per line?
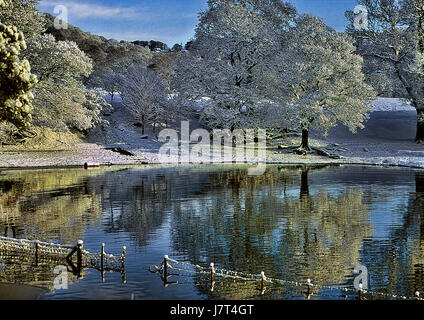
column 305, row 140
column 420, row 111
column 420, row 126
column 143, row 121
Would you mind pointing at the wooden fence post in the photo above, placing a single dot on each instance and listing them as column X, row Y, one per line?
column 80, row 246
column 124, row 249
column 102, row 256
column 165, row 266
column 36, row 253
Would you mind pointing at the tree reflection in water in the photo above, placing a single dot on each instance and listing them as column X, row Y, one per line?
column 47, row 204
column 43, row 205
column 264, row 223
column 285, row 222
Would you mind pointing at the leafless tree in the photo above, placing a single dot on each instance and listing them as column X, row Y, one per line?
column 145, row 95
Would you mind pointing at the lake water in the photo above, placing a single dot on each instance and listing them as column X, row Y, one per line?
column 293, row 223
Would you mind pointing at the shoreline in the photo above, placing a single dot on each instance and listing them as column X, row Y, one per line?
column 386, row 140
column 25, row 160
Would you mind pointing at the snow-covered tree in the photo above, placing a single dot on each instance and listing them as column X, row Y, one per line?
column 321, row 80
column 163, row 64
column 145, row 95
column 414, row 10
column 119, row 58
column 233, row 43
column 24, row 15
column 392, row 39
column 16, row 79
column 61, row 100
column 109, row 81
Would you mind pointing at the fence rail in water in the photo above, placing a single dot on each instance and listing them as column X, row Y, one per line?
column 170, row 267
column 42, row 252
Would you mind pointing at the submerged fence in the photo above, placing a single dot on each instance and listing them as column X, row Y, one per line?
column 170, row 267
column 37, row 252
column 22, row 250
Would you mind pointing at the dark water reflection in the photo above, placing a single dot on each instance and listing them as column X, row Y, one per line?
column 292, row 222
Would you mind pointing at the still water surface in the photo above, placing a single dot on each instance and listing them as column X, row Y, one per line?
column 293, row 223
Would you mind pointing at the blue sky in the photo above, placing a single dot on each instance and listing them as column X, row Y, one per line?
column 169, row 21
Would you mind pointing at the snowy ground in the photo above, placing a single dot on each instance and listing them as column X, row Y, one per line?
column 388, row 137
column 386, row 140
column 389, row 104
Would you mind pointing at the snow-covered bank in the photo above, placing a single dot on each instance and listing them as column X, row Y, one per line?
column 99, row 157
column 386, row 140
column 95, row 155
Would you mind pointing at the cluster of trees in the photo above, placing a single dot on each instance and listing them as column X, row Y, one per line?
column 73, row 68
column 111, row 59
column 53, row 71
column 51, row 77
column 158, row 46
column 260, row 63
column 263, row 64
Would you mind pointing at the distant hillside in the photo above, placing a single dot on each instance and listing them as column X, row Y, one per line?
column 97, row 47
column 104, row 52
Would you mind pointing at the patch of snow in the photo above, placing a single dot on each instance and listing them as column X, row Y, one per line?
column 414, row 162
column 116, row 98
column 392, row 104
